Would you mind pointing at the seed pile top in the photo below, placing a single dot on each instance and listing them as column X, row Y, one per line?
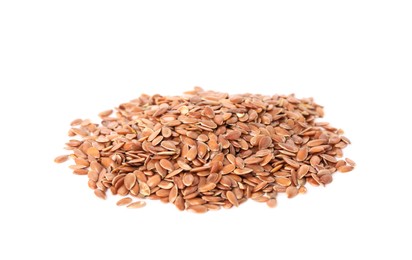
column 206, row 150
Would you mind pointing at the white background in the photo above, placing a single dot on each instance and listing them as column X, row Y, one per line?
column 60, row 60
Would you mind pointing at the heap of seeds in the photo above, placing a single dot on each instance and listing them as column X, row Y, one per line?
column 206, row 150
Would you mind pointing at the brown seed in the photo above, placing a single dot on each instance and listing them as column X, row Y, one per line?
column 92, row 151
column 243, row 171
column 61, row 159
column 136, row 205
column 130, row 181
column 207, row 187
column 180, row 203
column 326, row 178
column 188, row 179
column 192, row 153
column 265, row 142
column 316, row 149
column 228, row 169
column 197, row 209
column 232, row 198
column 233, row 135
column 350, row 162
column 154, row 180
column 100, row 194
column 105, row 113
column 302, row 171
column 345, row 168
column 283, row 181
column 167, row 165
column 291, row 191
column 173, row 194
column 144, row 189
column 272, row 203
column 123, row 201
column 288, row 147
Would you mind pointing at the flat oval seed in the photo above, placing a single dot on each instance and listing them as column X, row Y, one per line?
column 136, row 205
column 123, row 201
column 232, row 198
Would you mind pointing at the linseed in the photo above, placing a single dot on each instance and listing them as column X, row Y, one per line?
column 207, row 150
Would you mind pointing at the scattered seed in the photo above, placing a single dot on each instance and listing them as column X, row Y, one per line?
column 136, row 205
column 345, row 168
column 123, row 201
column 61, row 159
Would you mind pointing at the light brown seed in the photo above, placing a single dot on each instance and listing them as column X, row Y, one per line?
column 291, row 191
column 350, row 162
column 233, row 135
column 326, row 178
column 303, row 170
column 173, row 194
column 232, row 198
column 207, row 187
column 166, row 164
column 144, row 189
column 130, row 181
column 124, row 201
column 192, row 153
column 180, row 203
column 61, row 159
column 345, row 168
column 283, row 181
column 100, row 194
column 243, row 171
column 198, row 209
column 92, row 151
column 188, row 179
column 272, row 203
column 265, row 142
column 228, row 169
column 154, row 180
column 105, row 113
column 288, row 147
column 136, row 205
column 302, row 154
